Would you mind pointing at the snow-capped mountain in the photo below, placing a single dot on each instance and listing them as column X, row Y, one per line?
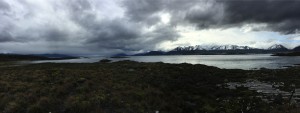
column 231, row 47
column 185, row 48
column 220, row 50
column 277, row 47
column 213, row 47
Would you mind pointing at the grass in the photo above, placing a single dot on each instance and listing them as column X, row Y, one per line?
column 132, row 87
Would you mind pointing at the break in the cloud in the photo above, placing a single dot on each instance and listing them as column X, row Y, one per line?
column 116, row 26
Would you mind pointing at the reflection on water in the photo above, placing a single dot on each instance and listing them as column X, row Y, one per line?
column 222, row 61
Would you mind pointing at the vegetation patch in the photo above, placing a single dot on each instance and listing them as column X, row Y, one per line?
column 133, row 87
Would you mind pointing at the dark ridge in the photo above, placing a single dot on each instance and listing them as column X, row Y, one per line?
column 297, row 49
column 121, row 55
column 15, row 57
column 287, row 54
column 62, row 56
column 152, row 53
column 18, row 57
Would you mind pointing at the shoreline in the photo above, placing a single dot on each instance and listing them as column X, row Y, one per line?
column 112, row 60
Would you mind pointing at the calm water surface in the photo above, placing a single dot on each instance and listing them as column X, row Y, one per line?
column 222, row 61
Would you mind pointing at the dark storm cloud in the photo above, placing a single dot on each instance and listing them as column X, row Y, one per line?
column 147, row 11
column 104, row 34
column 85, row 24
column 80, row 12
column 113, row 34
column 120, row 33
column 271, row 11
column 4, row 5
column 208, row 18
column 117, row 34
column 132, row 25
column 280, row 15
column 54, row 34
column 5, row 37
column 143, row 10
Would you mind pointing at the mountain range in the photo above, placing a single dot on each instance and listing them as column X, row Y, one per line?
column 220, row 50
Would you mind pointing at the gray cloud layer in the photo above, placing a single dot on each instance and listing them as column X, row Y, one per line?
column 280, row 15
column 107, row 27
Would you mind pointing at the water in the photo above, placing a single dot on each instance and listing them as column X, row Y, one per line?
column 255, row 61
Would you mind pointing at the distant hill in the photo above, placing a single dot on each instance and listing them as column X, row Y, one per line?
column 287, row 54
column 15, row 57
column 18, row 57
column 59, row 56
column 151, row 53
column 278, row 48
column 297, row 48
column 120, row 55
column 219, row 50
column 294, row 52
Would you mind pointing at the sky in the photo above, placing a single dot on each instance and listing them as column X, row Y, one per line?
column 106, row 27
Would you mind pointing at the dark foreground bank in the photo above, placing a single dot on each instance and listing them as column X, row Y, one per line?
column 132, row 87
column 287, row 54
